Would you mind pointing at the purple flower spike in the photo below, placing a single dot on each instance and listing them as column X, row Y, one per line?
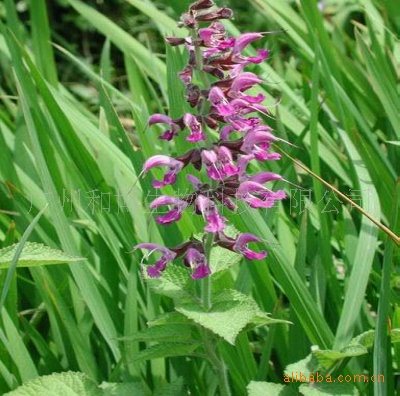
column 215, row 222
column 198, row 263
column 196, row 130
column 178, row 206
column 155, row 270
column 258, row 196
column 223, row 105
column 241, row 247
column 173, row 165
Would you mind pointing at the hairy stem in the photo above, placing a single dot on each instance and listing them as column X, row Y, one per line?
column 206, row 282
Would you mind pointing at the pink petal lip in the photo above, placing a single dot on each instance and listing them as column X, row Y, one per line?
column 265, row 177
column 216, row 96
column 215, row 222
column 244, row 40
column 196, row 130
column 155, row 270
column 167, row 200
column 245, row 81
column 163, row 160
column 258, row 196
column 178, row 206
column 160, row 160
column 202, row 271
column 160, row 119
column 241, row 247
column 196, row 183
column 198, row 262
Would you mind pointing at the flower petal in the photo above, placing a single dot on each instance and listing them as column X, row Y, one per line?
column 244, row 40
column 241, row 247
column 198, row 262
column 215, row 222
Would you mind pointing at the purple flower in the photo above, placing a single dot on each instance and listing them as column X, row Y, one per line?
column 155, row 270
column 258, row 196
column 258, row 142
column 186, row 75
column 219, row 163
column 215, row 222
column 212, row 35
column 241, row 246
column 265, row 177
column 197, row 261
column 196, row 130
column 173, row 165
column 195, row 182
column 201, row 5
column 174, row 214
column 245, row 81
column 244, row 40
column 163, row 119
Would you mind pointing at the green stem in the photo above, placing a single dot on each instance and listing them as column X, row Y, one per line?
column 206, row 282
column 218, row 364
column 199, row 62
column 217, row 361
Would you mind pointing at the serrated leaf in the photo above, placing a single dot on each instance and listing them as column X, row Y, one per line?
column 169, row 318
column 66, row 384
column 221, row 259
column 326, row 358
column 305, row 366
column 166, row 350
column 258, row 388
column 35, row 254
column 175, row 282
column 230, row 313
column 328, row 389
column 358, row 346
column 170, row 332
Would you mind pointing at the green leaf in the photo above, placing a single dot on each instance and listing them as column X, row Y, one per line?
column 358, row 346
column 35, row 254
column 126, row 389
column 66, row 384
column 167, row 349
column 258, row 388
column 222, row 259
column 305, row 366
column 230, row 313
column 168, row 332
column 175, row 283
column 328, row 389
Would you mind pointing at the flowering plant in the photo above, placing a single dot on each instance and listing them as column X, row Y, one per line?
column 216, row 84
